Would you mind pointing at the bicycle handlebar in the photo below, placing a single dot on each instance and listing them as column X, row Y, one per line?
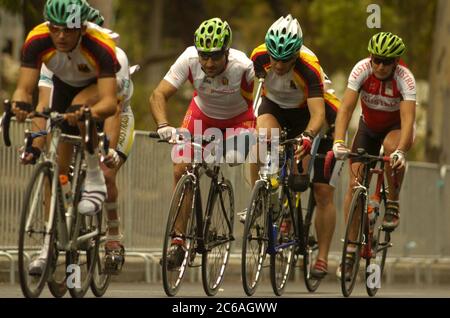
column 360, row 154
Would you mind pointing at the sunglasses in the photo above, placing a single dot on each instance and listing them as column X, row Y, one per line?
column 378, row 60
column 58, row 29
column 215, row 56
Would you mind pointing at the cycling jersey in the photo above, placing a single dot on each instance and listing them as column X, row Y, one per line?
column 125, row 92
column 124, row 84
column 291, row 90
column 380, row 100
column 221, row 97
column 93, row 57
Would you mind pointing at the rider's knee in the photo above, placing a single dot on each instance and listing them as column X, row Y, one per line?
column 178, row 170
column 323, row 194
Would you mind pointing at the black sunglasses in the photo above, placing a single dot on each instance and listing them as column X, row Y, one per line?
column 215, row 56
column 378, row 60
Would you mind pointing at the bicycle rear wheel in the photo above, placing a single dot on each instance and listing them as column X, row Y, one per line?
column 218, row 236
column 34, row 225
column 254, row 243
column 100, row 279
column 311, row 245
column 182, row 198
column 375, row 263
column 281, row 262
column 354, row 238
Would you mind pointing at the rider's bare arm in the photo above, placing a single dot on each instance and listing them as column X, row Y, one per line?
column 40, row 123
column 407, row 117
column 107, row 103
column 28, row 78
column 316, row 108
column 158, row 101
column 344, row 113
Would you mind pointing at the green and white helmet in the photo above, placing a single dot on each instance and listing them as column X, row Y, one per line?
column 284, row 38
column 63, row 12
column 213, row 35
column 386, row 44
column 95, row 16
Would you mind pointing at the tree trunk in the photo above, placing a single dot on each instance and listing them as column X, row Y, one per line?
column 438, row 130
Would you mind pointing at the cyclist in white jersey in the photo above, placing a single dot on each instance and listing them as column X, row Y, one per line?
column 223, row 81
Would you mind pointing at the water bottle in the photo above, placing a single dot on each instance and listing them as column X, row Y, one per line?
column 372, row 209
column 66, row 190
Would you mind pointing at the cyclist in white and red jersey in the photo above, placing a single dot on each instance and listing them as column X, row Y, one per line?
column 388, row 99
column 223, row 81
column 83, row 61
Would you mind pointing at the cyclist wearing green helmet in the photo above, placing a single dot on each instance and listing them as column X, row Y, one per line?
column 294, row 99
column 388, row 101
column 84, row 64
column 222, row 78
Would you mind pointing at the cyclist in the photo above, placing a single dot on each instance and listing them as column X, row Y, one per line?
column 120, row 130
column 388, row 100
column 83, row 60
column 294, row 99
column 223, row 81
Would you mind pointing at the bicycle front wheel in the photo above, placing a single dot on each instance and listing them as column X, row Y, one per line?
column 354, row 241
column 311, row 246
column 218, row 236
column 182, row 200
column 35, row 246
column 281, row 261
column 379, row 244
column 254, row 242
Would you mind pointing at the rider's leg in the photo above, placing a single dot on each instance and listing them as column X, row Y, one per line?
column 94, row 193
column 325, row 221
column 181, row 222
column 394, row 179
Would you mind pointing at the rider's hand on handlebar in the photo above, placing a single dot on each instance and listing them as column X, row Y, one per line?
column 398, row 159
column 21, row 110
column 167, row 132
column 74, row 117
column 305, row 144
column 29, row 155
column 340, row 150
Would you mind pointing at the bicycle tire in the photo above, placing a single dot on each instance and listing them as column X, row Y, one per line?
column 282, row 261
column 358, row 201
column 100, row 280
column 255, row 230
column 24, row 247
column 90, row 247
column 172, row 278
column 218, row 235
column 311, row 246
column 381, row 240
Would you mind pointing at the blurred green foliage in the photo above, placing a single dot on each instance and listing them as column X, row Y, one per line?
column 334, row 29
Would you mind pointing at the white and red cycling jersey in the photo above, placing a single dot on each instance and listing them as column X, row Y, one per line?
column 224, row 96
column 380, row 99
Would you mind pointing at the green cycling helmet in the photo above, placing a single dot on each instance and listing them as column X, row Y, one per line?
column 386, row 44
column 213, row 35
column 284, row 38
column 62, row 12
column 95, row 16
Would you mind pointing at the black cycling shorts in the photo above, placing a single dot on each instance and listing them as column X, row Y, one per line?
column 62, row 97
column 295, row 120
column 369, row 140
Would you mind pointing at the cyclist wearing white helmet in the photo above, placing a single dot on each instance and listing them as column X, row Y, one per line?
column 294, row 98
column 388, row 99
column 223, row 81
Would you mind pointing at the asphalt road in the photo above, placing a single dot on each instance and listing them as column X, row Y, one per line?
column 234, row 290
